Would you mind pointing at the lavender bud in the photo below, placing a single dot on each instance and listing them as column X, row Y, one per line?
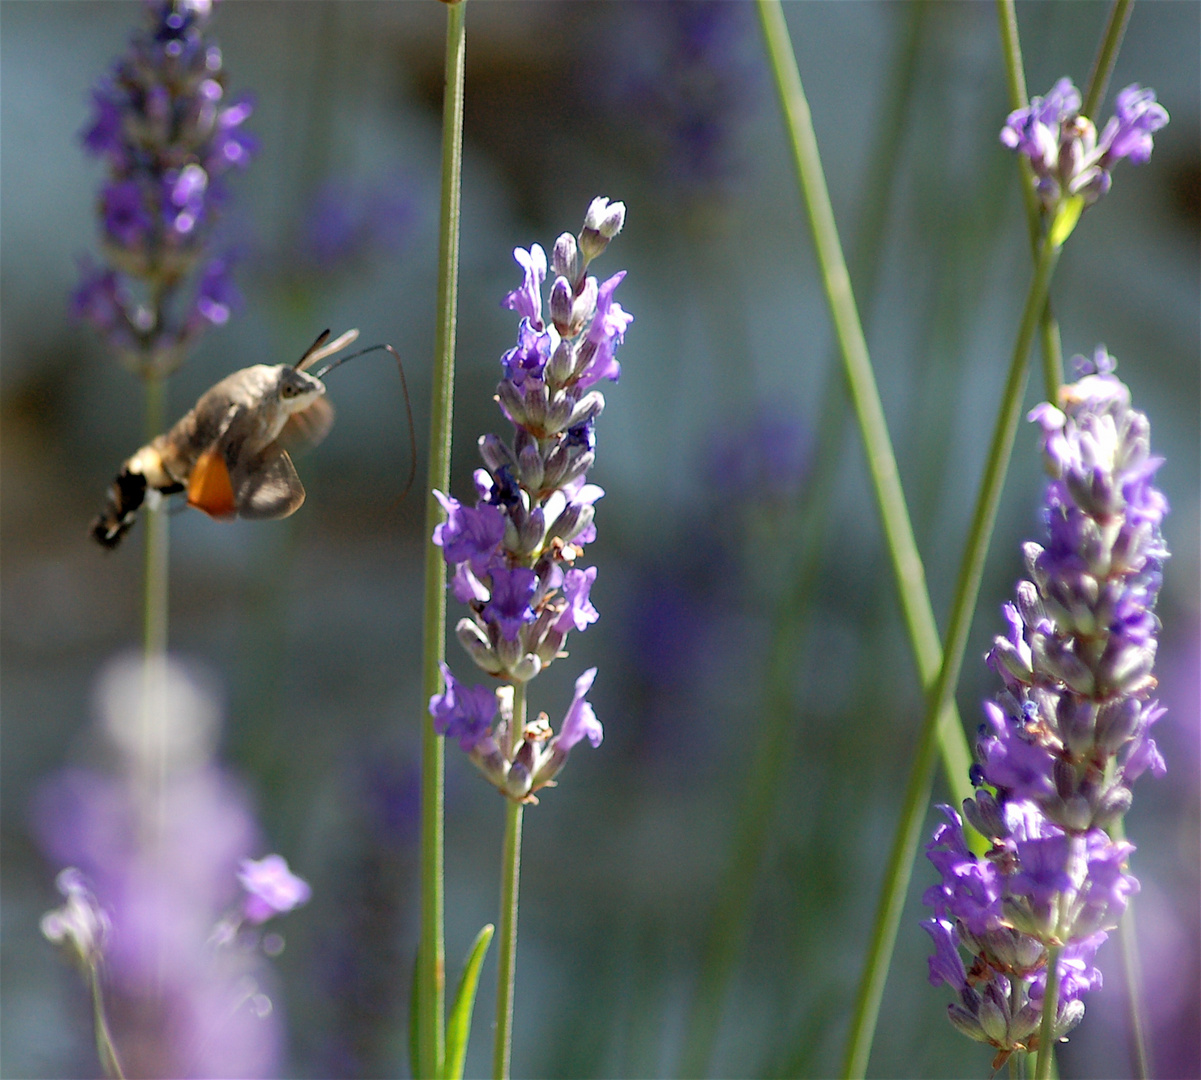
column 513, row 403
column 526, row 668
column 994, row 1016
column 530, row 467
column 1116, row 723
column 584, row 305
column 966, row 1022
column 495, row 453
column 565, row 258
column 475, row 641
column 561, row 306
column 561, row 365
column 1112, row 805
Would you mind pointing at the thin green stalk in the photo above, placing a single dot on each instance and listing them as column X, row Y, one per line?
column 157, row 537
column 1046, row 1031
column 1107, row 55
column 105, row 1047
column 431, row 957
column 1015, row 79
column 509, row 886
column 774, row 746
column 910, row 576
column 917, row 793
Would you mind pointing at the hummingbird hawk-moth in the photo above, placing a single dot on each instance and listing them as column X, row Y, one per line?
column 229, row 453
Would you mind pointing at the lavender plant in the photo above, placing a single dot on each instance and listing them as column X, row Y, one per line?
column 164, row 128
column 1063, row 740
column 164, row 906
column 514, row 554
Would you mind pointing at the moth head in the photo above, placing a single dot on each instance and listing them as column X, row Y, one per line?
column 298, row 389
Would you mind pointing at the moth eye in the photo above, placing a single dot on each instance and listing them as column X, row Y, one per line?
column 289, row 391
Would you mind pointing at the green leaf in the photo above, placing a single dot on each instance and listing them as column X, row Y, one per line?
column 458, row 1026
column 1065, row 219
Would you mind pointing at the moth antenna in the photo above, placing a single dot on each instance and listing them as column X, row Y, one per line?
column 404, row 384
column 319, row 350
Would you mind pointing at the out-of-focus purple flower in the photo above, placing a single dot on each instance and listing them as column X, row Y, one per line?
column 513, row 556
column 81, row 924
column 690, row 75
column 166, row 135
column 1067, row 736
column 160, row 842
column 765, row 458
column 1067, row 157
column 271, row 888
column 349, row 221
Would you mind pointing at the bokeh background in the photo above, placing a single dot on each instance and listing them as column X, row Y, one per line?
column 311, row 626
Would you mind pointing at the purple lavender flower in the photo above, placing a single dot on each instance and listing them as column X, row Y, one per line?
column 271, row 888
column 513, row 556
column 347, row 222
column 1062, row 146
column 690, row 74
column 167, row 134
column 158, row 848
column 1067, row 735
column 463, row 712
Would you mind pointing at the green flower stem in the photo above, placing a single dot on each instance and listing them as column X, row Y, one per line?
column 1046, row 1031
column 105, row 1046
column 917, row 793
column 1015, row 79
column 509, row 885
column 1107, row 55
column 774, row 748
column 431, row 956
column 902, row 548
column 157, row 537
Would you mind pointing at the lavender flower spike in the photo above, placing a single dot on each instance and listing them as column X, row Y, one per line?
column 514, row 555
column 1068, row 158
column 1067, row 735
column 167, row 133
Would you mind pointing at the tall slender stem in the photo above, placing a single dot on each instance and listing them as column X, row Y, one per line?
column 431, row 975
column 773, row 749
column 105, row 1046
column 1015, row 78
column 917, row 793
column 157, row 536
column 907, row 567
column 1046, row 1035
column 509, row 886
column 1107, row 55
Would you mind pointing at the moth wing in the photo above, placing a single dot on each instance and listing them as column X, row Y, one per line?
column 309, row 426
column 267, row 486
column 210, row 487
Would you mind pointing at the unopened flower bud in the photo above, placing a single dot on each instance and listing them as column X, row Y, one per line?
column 565, row 259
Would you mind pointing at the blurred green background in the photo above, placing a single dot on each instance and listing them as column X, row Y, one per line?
column 312, row 625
